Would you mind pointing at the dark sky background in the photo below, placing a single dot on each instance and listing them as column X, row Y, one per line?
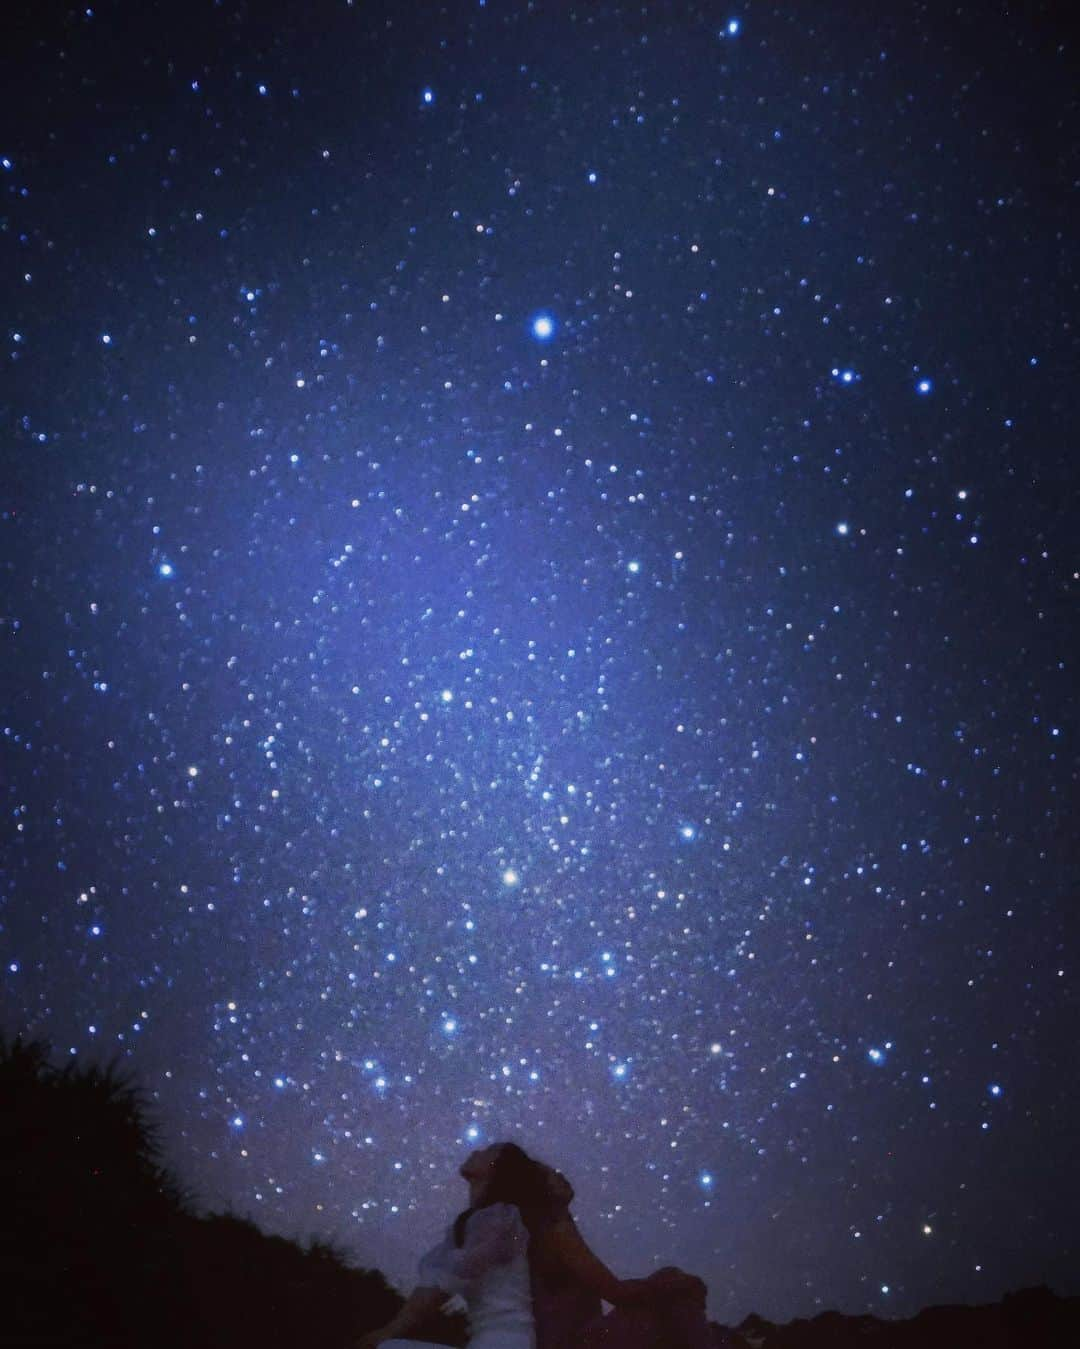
column 539, row 571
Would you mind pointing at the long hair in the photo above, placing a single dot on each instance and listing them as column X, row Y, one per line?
column 516, row 1178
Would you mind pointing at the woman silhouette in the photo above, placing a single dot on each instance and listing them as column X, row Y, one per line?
column 529, row 1279
column 483, row 1257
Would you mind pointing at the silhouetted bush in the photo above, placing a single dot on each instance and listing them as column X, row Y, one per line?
column 101, row 1247
column 1034, row 1318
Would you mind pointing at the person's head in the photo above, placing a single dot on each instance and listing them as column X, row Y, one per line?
column 503, row 1173
column 477, row 1169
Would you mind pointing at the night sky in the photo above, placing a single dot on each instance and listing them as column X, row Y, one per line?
column 539, row 570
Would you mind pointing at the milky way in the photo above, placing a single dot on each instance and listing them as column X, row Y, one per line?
column 539, row 572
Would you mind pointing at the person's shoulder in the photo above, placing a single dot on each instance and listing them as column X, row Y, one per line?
column 554, row 1234
column 561, row 1223
column 501, row 1211
column 499, row 1214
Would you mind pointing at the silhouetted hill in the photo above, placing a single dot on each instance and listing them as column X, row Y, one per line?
column 1034, row 1318
column 101, row 1248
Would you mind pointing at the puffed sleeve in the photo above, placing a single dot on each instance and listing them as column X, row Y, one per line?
column 493, row 1236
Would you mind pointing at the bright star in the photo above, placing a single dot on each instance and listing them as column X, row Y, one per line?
column 166, row 569
column 843, row 529
column 427, row 96
column 510, row 876
column 543, row 327
column 924, row 386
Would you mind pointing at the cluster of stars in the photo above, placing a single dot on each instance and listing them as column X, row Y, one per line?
column 537, row 609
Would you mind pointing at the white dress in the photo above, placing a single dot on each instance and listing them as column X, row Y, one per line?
column 490, row 1270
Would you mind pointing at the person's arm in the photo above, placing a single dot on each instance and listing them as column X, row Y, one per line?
column 421, row 1305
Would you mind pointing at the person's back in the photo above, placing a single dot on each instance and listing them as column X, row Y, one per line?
column 489, row 1270
column 562, row 1306
column 499, row 1302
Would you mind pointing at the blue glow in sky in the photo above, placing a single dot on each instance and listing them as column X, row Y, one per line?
column 397, row 695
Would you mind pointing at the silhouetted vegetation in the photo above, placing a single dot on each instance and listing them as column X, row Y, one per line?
column 1034, row 1318
column 100, row 1247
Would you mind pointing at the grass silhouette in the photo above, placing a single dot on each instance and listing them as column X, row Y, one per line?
column 101, row 1245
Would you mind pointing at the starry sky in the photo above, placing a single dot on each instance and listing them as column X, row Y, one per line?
column 539, row 588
